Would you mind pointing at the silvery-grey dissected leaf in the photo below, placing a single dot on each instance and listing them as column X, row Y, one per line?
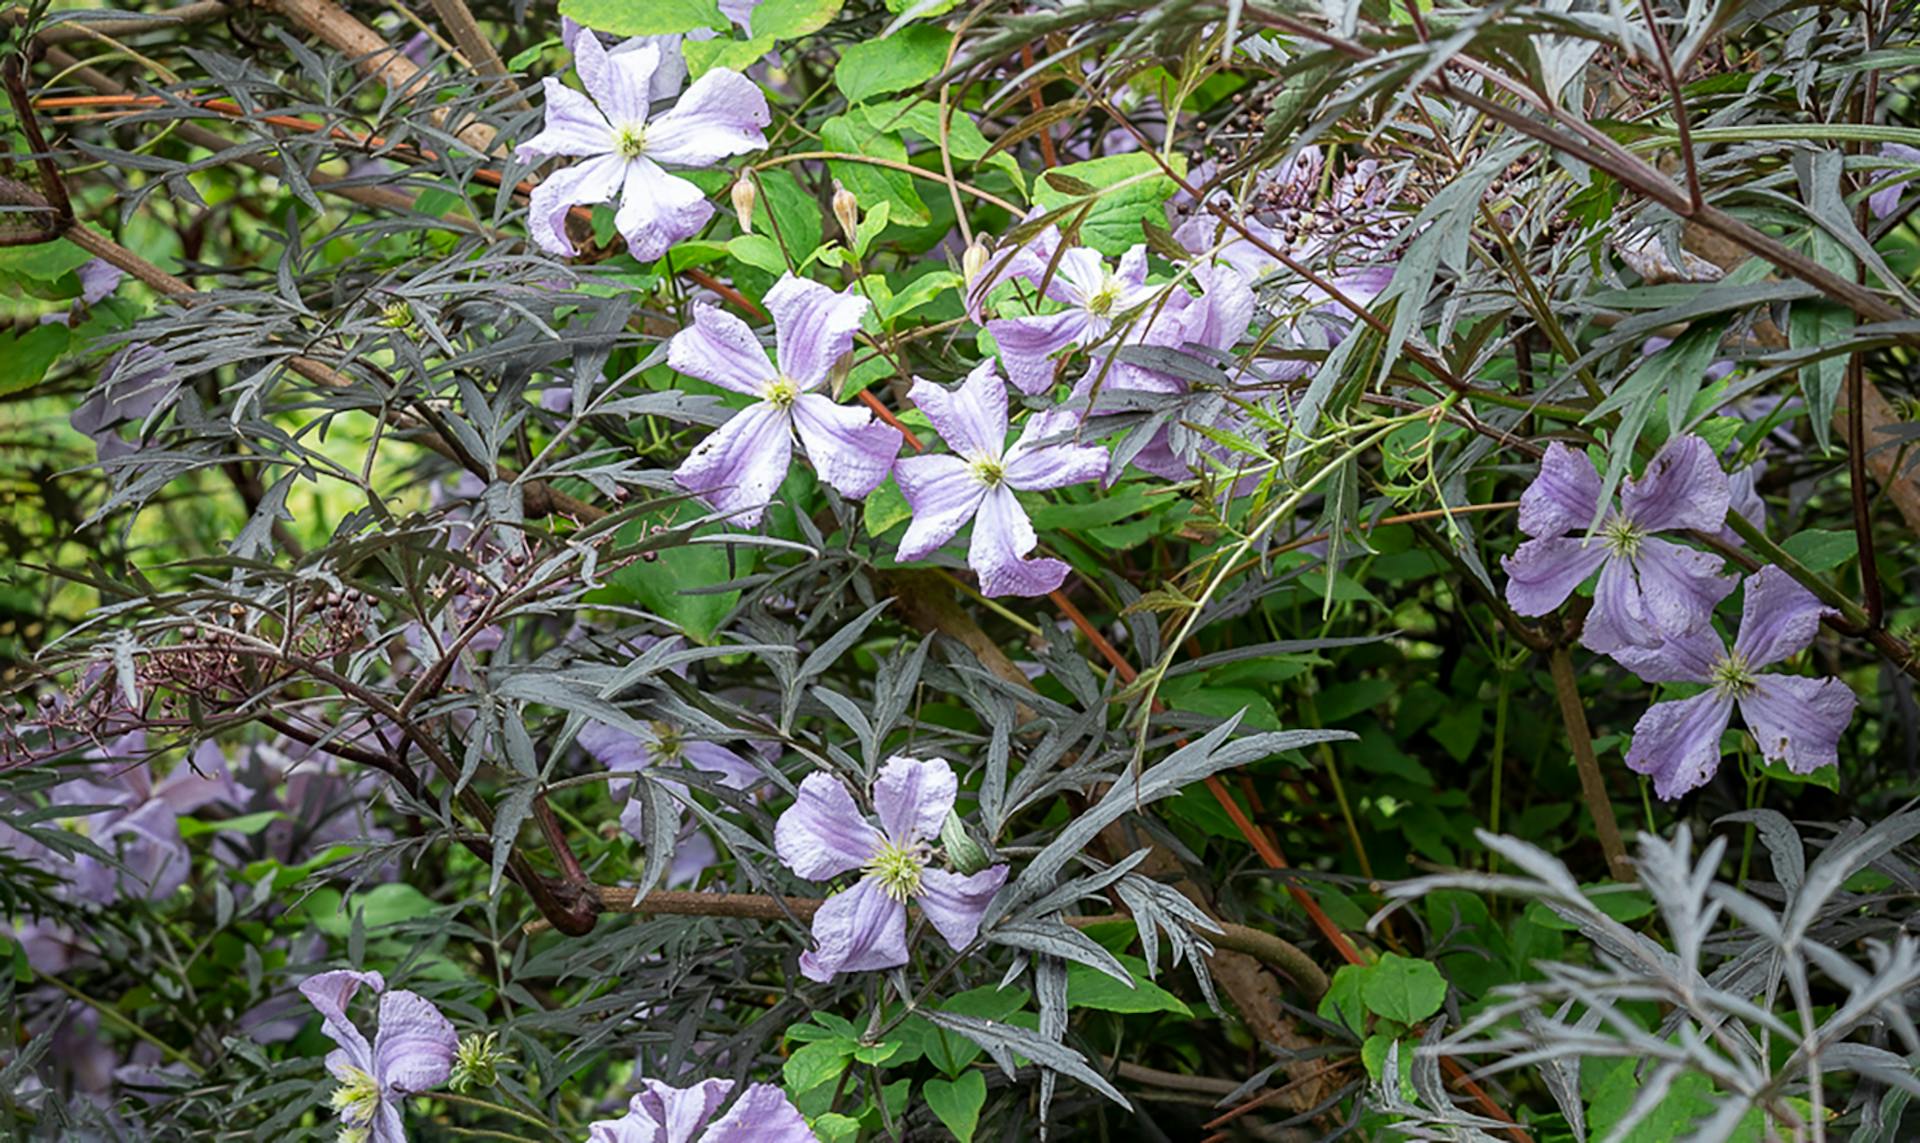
column 1050, row 995
column 1000, row 1041
column 515, row 807
column 1050, row 937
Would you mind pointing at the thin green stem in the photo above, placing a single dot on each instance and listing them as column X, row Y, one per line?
column 116, row 1016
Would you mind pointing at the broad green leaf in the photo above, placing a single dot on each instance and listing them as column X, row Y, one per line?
column 814, row 1064
column 1401, row 988
column 1343, row 1003
column 666, row 584
column 791, row 19
column 884, row 508
column 1822, row 550
column 1687, row 1105
column 25, row 356
column 379, row 907
column 1130, row 190
column 42, row 262
column 833, row 1127
column 245, row 825
column 645, row 17
column 872, row 185
column 758, row 251
column 1090, row 988
column 786, row 213
column 958, row 1102
column 900, row 62
column 727, row 53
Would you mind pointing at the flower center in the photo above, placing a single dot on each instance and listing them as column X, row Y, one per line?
column 987, row 470
column 630, row 142
column 898, row 870
column 1732, row 676
column 396, row 315
column 1622, row 535
column 667, row 737
column 782, row 393
column 1103, row 300
column 357, row 1098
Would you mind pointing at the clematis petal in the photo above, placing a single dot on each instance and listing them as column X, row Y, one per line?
column 1798, row 720
column 972, row 416
column 1219, row 317
column 330, row 993
column 736, row 773
column 1882, row 203
column 620, row 82
column 1002, row 536
column 720, row 349
column 1685, row 658
column 1035, row 467
column 1542, row 573
column 860, row 930
column 98, row 279
column 943, row 493
column 954, row 904
column 813, row 328
column 388, row 1124
column 912, row 797
column 574, row 127
column 724, row 113
column 1131, row 277
column 1778, row 618
column 1564, row 497
column 740, row 465
column 762, row 1114
column 1678, row 586
column 658, row 209
column 1028, row 260
column 1677, row 744
column 683, row 1111
column 413, row 1050
column 851, row 448
column 583, row 184
column 616, row 750
column 1027, row 345
column 638, row 1125
column 1743, row 499
column 1682, row 487
column 1078, row 274
column 823, row 834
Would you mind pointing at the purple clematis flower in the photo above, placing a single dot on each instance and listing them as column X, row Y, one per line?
column 624, row 145
column 1794, row 720
column 1884, row 202
column 738, row 468
column 663, row 1114
column 978, row 480
column 823, row 834
column 412, row 1052
column 1093, row 296
column 136, row 383
column 1650, row 589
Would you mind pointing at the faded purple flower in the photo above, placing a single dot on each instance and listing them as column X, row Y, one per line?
column 1793, row 719
column 98, row 279
column 740, row 465
column 1650, row 589
column 723, row 113
column 823, row 835
column 412, row 1052
column 135, row 383
column 663, row 1114
column 978, row 479
column 1094, row 296
column 1883, row 202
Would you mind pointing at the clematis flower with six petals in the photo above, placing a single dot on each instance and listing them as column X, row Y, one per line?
column 1649, row 589
column 1094, row 296
column 624, row 146
column 1793, row 719
column 740, row 465
column 662, row 1114
column 977, row 482
column 823, row 835
column 412, row 1052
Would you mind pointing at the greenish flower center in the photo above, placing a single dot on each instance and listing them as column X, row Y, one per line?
column 1732, row 676
column 357, row 1098
column 898, row 869
column 988, row 471
column 397, row 315
column 1622, row 535
column 668, row 738
column 1104, row 299
column 630, row 142
column 782, row 393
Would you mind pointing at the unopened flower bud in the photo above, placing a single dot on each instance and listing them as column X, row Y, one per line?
column 974, row 261
column 846, row 208
column 965, row 853
column 743, row 196
column 477, row 1062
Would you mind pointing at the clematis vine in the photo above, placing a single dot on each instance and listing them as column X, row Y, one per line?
column 662, row 1114
column 1650, row 588
column 823, row 835
column 412, row 1052
column 624, row 146
column 740, row 465
column 977, row 482
column 1793, row 719
column 1094, row 296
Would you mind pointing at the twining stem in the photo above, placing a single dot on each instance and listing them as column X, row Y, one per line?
column 1593, row 787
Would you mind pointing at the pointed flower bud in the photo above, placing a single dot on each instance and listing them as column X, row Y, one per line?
column 974, row 261
column 846, row 208
column 965, row 853
column 743, row 196
column 477, row 1062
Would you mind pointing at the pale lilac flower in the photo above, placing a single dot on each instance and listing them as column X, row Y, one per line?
column 1793, row 719
column 668, row 78
column 623, row 146
column 1743, row 499
column 136, row 382
column 978, row 479
column 823, row 835
column 412, row 1052
column 1649, row 588
column 663, row 1114
column 740, row 465
column 98, row 279
column 662, row 743
column 1882, row 203
column 1094, row 296
column 1027, row 261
